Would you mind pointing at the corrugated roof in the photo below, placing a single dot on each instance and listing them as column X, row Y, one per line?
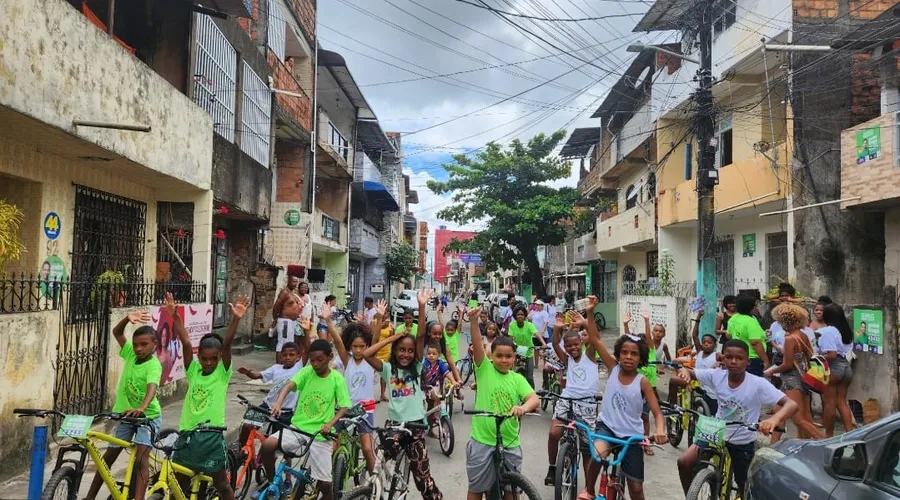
column 626, row 94
column 580, row 142
column 664, row 15
column 883, row 29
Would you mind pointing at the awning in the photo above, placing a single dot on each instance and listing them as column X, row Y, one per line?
column 580, row 142
column 372, row 138
column 664, row 15
column 379, row 194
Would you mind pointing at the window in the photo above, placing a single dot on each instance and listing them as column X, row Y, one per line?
column 331, row 229
column 215, row 79
column 889, row 472
column 727, row 15
column 337, row 141
column 256, row 117
column 651, row 186
column 653, row 264
column 631, row 197
column 276, row 30
column 688, row 161
column 108, row 235
column 725, row 143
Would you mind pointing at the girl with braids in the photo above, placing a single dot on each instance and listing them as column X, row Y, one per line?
column 402, row 372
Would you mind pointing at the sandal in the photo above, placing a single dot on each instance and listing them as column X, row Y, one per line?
column 584, row 495
column 648, row 450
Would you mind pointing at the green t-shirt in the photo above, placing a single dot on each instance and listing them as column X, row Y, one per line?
column 406, row 400
column 746, row 328
column 498, row 393
column 473, row 304
column 205, row 398
column 523, row 335
column 319, row 397
column 133, row 383
column 649, row 371
column 452, row 342
column 413, row 332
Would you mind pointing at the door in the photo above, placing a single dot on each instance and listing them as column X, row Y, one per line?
column 723, row 252
column 353, row 281
column 776, row 258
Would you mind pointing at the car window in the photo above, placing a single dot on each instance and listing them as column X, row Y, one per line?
column 889, row 474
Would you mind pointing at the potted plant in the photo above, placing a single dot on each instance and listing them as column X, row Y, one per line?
column 112, row 282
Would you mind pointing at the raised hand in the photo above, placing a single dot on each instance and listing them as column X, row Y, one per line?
column 645, row 314
column 170, row 304
column 424, row 296
column 360, row 317
column 381, row 308
column 304, row 323
column 592, row 302
column 244, row 370
column 626, row 318
column 577, row 319
column 560, row 322
column 326, row 313
column 139, row 317
column 473, row 313
column 239, row 307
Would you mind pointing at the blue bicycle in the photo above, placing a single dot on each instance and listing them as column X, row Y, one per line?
column 612, row 479
column 305, row 486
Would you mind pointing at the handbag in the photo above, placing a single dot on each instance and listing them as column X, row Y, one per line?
column 817, row 372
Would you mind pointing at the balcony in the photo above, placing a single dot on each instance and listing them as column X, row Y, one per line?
column 631, row 145
column 869, row 177
column 60, row 69
column 329, row 234
column 749, row 183
column 364, row 239
column 585, row 248
column 593, row 182
column 335, row 156
column 632, row 229
column 380, row 189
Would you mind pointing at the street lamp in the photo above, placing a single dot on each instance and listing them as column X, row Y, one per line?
column 639, row 47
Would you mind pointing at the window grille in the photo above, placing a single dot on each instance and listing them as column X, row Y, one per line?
column 256, row 117
column 276, row 29
column 214, row 76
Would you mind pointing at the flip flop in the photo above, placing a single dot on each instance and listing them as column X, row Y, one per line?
column 584, row 495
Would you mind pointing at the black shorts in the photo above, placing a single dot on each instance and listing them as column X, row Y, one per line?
column 756, row 367
column 632, row 464
column 741, row 456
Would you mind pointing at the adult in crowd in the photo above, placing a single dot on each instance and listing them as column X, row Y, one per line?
column 835, row 343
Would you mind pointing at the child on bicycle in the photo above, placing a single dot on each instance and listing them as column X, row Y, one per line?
column 706, row 358
column 451, row 335
column 278, row 375
column 408, row 325
column 524, row 333
column 500, row 390
column 740, row 396
column 583, row 381
column 436, row 336
column 434, row 371
column 622, row 406
column 204, row 402
column 359, row 375
column 323, row 399
column 403, row 373
column 136, row 397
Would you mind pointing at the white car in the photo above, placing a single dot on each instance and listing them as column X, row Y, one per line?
column 406, row 301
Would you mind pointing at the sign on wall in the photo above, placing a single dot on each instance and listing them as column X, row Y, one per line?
column 197, row 320
column 52, row 225
column 867, row 331
column 868, row 144
column 749, row 244
column 292, row 217
column 53, row 270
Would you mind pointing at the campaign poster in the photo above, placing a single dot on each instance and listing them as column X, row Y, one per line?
column 197, row 320
column 867, row 331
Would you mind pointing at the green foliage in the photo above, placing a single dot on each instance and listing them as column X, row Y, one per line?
column 108, row 282
column 665, row 279
column 11, row 247
column 506, row 189
column 401, row 262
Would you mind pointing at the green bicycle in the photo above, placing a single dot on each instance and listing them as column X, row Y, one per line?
column 346, row 463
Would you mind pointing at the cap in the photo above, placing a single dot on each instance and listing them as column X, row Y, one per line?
column 538, row 302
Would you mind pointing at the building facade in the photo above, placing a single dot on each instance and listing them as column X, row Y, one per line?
column 442, row 260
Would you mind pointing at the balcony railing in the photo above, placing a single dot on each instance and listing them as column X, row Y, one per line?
column 215, row 79
column 635, row 226
column 331, row 229
column 337, row 141
column 364, row 238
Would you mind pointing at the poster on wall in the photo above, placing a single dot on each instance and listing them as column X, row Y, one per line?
column 52, row 226
column 197, row 320
column 867, row 331
column 749, row 244
column 868, row 144
column 53, row 271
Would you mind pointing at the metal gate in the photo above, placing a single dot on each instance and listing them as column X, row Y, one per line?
column 777, row 258
column 82, row 349
column 723, row 252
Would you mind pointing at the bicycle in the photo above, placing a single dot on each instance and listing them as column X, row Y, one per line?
column 714, row 464
column 250, row 461
column 572, row 445
column 446, row 435
column 69, row 471
column 507, row 480
column 691, row 396
column 305, row 487
column 465, row 366
column 165, row 485
column 397, row 477
column 346, row 463
column 612, row 479
column 554, row 385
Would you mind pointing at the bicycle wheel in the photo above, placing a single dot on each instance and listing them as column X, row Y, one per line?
column 705, row 486
column 521, row 487
column 674, row 430
column 566, row 487
column 63, row 485
column 465, row 369
column 400, row 480
column 359, row 493
column 340, row 477
column 448, row 441
column 244, row 478
column 600, row 320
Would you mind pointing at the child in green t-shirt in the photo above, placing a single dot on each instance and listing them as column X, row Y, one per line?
column 500, row 390
column 207, row 378
column 323, row 400
column 136, row 397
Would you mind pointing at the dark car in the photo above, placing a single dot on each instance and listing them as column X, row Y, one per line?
column 863, row 463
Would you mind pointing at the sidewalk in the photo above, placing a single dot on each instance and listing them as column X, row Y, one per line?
column 17, row 487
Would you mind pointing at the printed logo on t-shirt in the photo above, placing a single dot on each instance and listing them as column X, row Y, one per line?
column 619, row 402
column 402, row 386
column 502, row 401
column 578, row 373
column 358, row 380
column 199, row 399
column 131, row 389
column 278, row 384
column 313, row 405
column 731, row 409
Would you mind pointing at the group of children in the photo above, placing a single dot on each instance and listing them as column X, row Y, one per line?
column 312, row 390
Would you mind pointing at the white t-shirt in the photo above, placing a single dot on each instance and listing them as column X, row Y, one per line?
column 740, row 404
column 582, row 378
column 831, row 341
column 286, row 330
column 539, row 320
column 360, row 379
column 278, row 376
column 370, row 315
column 778, row 334
column 551, row 313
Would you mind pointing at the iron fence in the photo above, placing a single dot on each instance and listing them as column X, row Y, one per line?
column 684, row 289
column 27, row 294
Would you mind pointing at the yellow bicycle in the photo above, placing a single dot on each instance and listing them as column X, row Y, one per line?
column 71, row 458
column 165, row 483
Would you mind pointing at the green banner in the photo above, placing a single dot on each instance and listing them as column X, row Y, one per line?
column 868, row 144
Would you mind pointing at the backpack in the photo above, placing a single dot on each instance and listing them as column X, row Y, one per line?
column 817, row 373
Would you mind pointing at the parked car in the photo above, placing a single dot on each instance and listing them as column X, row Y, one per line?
column 863, row 463
column 405, row 301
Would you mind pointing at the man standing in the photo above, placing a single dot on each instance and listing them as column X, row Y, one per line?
column 370, row 312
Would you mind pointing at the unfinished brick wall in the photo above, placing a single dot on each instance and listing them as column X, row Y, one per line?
column 865, row 88
column 291, row 160
column 305, row 12
column 250, row 25
column 869, row 9
column 816, row 8
column 297, row 107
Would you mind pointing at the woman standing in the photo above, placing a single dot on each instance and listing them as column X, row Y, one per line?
column 729, row 302
column 835, row 342
column 817, row 321
column 797, row 351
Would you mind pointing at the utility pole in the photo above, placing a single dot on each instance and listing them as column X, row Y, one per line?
column 707, row 175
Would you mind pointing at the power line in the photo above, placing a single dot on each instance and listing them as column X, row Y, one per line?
column 537, row 18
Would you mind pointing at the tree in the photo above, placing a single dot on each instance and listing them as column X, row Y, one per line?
column 401, row 261
column 11, row 247
column 507, row 188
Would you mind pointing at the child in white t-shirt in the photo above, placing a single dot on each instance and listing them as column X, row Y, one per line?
column 740, row 397
column 278, row 375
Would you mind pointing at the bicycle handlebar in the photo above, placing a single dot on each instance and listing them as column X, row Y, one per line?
column 40, row 413
column 669, row 364
column 244, row 401
column 552, row 395
column 677, row 410
column 593, row 436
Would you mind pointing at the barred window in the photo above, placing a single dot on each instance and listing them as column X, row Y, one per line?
column 276, row 29
column 214, row 77
column 256, row 117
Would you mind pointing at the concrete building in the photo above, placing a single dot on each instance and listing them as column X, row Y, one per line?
column 442, row 261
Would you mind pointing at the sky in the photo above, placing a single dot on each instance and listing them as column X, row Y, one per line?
column 397, row 50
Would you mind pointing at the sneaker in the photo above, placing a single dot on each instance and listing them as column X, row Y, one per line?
column 550, row 480
column 286, row 487
column 256, row 494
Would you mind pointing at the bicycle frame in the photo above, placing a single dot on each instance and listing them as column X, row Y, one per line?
column 168, row 482
column 350, row 444
column 250, row 450
column 87, row 445
column 624, row 443
column 718, row 458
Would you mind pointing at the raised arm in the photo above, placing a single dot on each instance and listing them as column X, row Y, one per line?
column 423, row 297
column 135, row 318
column 648, row 332
column 335, row 336
column 238, row 309
column 380, row 315
column 626, row 323
column 695, row 331
column 477, row 340
column 371, row 353
column 594, row 335
column 187, row 350
column 557, row 338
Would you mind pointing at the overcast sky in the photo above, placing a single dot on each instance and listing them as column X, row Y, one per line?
column 384, row 41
